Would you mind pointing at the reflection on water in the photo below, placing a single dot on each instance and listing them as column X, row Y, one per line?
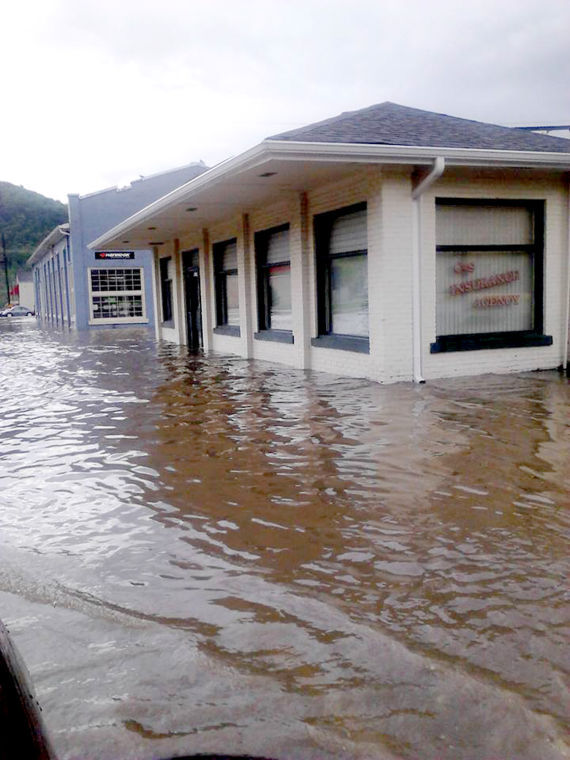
column 209, row 554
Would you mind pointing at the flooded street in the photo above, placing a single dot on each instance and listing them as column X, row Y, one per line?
column 206, row 554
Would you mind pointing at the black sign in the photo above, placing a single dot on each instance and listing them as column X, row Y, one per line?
column 113, row 255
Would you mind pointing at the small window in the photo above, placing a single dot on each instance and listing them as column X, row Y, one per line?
column 489, row 274
column 274, row 284
column 116, row 295
column 227, row 290
column 342, row 278
column 166, row 288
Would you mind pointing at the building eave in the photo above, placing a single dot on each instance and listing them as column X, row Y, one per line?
column 307, row 156
column 52, row 238
column 406, row 154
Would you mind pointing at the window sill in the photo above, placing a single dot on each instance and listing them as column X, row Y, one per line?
column 342, row 343
column 278, row 336
column 446, row 343
column 232, row 330
column 114, row 320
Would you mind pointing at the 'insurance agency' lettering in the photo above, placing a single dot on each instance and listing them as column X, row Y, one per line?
column 469, row 286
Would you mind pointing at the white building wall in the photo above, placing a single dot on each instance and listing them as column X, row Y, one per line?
column 286, row 212
column 363, row 185
column 178, row 305
column 485, row 185
column 392, row 281
column 175, row 249
column 387, row 193
column 174, row 332
column 227, row 344
column 206, row 284
column 155, row 294
column 26, row 294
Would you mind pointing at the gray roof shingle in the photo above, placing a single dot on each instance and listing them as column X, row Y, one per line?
column 392, row 124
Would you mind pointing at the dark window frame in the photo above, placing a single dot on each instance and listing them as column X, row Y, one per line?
column 322, row 226
column 263, row 270
column 166, row 290
column 502, row 339
column 220, row 288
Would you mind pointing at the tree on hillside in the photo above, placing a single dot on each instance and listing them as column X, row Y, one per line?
column 26, row 218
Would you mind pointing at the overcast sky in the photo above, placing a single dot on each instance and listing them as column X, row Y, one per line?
column 98, row 92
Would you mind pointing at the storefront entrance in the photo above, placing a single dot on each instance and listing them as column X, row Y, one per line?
column 191, row 272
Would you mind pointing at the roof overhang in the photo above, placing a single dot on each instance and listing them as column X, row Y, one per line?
column 52, row 238
column 276, row 169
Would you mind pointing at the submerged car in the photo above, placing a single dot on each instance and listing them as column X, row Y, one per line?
column 17, row 311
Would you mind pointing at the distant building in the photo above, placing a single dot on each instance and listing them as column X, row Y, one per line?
column 75, row 286
column 562, row 130
column 23, row 291
column 388, row 243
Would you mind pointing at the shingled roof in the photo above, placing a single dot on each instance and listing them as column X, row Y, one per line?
column 392, row 124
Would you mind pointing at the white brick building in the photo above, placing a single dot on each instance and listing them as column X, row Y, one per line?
column 388, row 243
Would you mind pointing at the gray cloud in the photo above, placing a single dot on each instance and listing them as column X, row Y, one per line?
column 149, row 85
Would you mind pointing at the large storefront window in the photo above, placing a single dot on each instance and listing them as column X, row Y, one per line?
column 489, row 260
column 227, row 290
column 116, row 295
column 342, row 278
column 274, row 283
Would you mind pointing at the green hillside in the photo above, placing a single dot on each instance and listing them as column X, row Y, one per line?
column 25, row 219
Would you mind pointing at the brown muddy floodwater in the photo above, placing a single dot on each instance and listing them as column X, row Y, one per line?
column 206, row 554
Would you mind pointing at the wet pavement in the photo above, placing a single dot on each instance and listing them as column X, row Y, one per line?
column 208, row 554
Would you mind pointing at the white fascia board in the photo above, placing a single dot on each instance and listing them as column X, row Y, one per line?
column 289, row 150
column 405, row 154
column 52, row 238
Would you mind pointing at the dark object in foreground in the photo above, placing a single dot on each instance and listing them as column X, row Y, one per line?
column 22, row 730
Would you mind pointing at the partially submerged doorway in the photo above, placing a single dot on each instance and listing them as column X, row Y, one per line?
column 191, row 273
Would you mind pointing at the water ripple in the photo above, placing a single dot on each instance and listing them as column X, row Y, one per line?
column 356, row 569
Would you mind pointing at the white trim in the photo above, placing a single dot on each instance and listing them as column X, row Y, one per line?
column 406, row 154
column 566, row 305
column 156, row 296
column 424, row 184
